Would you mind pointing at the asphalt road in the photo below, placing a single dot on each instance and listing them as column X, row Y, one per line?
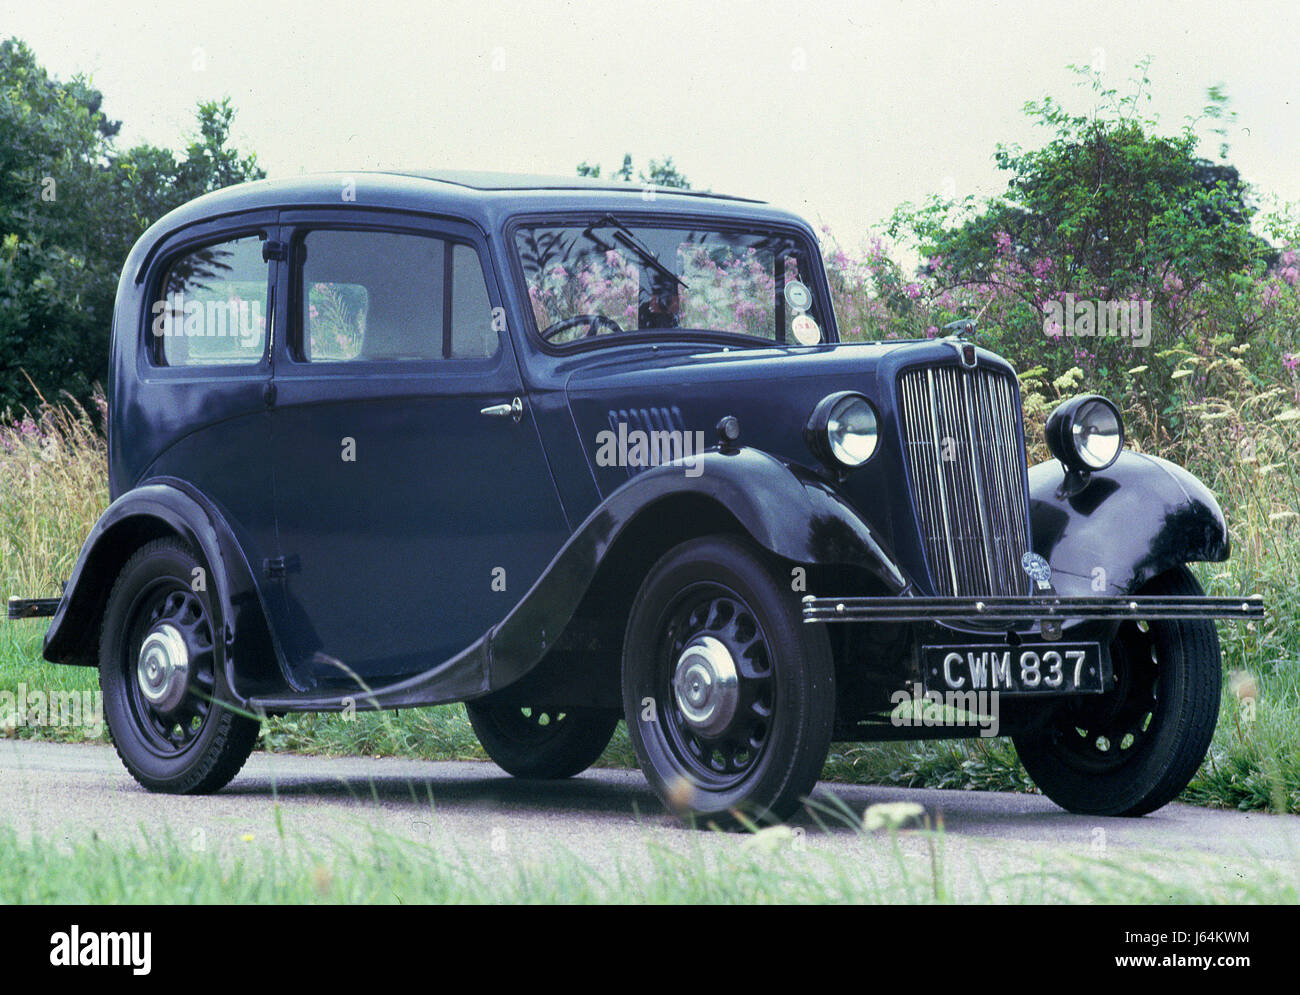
column 65, row 792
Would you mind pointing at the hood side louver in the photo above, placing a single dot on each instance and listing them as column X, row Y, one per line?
column 662, row 419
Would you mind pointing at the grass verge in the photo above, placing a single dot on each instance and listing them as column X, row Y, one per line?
column 906, row 866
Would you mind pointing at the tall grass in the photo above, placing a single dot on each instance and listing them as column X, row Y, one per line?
column 53, row 486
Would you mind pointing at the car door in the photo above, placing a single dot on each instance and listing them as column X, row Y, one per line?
column 414, row 504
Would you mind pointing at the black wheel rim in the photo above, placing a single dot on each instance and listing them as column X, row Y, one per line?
column 1107, row 732
column 170, row 734
column 724, row 760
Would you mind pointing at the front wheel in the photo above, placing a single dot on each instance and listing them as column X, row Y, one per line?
column 729, row 698
column 1135, row 748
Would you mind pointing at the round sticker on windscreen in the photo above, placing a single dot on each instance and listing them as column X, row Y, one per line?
column 805, row 330
column 798, row 296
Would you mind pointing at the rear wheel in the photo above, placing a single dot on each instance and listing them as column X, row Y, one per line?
column 541, row 743
column 164, row 699
column 1135, row 748
column 729, row 698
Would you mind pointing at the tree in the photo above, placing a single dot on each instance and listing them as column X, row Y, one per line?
column 71, row 206
column 661, row 173
column 1108, row 208
column 1114, row 246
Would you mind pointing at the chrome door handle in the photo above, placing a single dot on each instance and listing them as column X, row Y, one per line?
column 515, row 410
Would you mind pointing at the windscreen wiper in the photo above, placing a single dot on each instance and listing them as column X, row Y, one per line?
column 624, row 235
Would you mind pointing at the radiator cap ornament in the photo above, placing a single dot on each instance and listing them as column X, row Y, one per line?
column 1038, row 569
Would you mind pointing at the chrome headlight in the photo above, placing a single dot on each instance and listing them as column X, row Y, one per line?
column 843, row 429
column 1086, row 433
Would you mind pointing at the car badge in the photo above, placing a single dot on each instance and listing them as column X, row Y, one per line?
column 1038, row 569
column 965, row 351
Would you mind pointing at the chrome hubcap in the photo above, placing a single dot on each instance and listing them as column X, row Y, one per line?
column 706, row 685
column 163, row 669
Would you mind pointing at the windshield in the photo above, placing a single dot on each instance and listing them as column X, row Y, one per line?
column 605, row 278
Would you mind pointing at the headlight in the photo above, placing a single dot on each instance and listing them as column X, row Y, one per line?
column 843, row 429
column 1086, row 433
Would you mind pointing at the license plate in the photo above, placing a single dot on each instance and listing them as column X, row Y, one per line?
column 1056, row 668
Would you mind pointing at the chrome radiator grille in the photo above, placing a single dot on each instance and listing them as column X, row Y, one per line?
column 961, row 430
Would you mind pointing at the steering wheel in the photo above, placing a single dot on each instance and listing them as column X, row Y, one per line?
column 594, row 323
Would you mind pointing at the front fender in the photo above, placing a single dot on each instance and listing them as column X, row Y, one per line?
column 786, row 509
column 1132, row 522
column 160, row 508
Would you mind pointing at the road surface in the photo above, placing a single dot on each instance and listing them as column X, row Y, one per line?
column 66, row 792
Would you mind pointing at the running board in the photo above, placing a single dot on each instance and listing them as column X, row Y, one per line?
column 464, row 677
column 1027, row 609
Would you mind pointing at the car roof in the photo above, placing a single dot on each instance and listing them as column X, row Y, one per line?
column 484, row 198
column 489, row 181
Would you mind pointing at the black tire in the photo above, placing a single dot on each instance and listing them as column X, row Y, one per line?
column 1136, row 748
column 541, row 744
column 199, row 744
column 764, row 745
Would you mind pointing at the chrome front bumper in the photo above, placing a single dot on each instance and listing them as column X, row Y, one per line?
column 1027, row 609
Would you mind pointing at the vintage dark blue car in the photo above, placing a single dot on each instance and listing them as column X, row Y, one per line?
column 572, row 452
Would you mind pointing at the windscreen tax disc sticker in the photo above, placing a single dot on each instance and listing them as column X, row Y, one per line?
column 805, row 330
column 798, row 296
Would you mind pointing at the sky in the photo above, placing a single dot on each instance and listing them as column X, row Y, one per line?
column 838, row 111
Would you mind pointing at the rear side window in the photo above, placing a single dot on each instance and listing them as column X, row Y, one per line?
column 211, row 306
column 390, row 297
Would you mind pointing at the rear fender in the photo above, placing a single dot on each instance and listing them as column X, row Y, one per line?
column 166, row 507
